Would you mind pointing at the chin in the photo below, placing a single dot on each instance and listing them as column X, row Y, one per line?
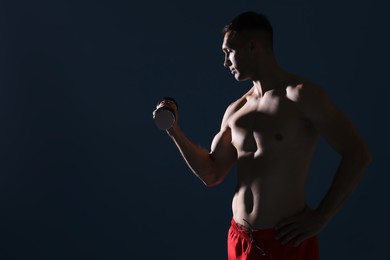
column 240, row 77
column 237, row 76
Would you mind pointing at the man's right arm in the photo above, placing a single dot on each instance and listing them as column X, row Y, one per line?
column 211, row 167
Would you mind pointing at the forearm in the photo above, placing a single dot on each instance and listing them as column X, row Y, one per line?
column 197, row 158
column 347, row 178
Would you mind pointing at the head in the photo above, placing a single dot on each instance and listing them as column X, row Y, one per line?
column 248, row 41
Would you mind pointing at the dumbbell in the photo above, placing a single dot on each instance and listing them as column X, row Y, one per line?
column 164, row 117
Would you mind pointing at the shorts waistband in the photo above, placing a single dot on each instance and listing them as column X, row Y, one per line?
column 259, row 234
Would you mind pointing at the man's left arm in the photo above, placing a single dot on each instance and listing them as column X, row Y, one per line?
column 341, row 134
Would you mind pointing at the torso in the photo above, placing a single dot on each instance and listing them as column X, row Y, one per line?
column 275, row 144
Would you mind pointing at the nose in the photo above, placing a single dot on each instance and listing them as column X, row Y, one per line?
column 227, row 63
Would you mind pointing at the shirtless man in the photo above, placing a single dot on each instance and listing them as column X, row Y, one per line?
column 271, row 133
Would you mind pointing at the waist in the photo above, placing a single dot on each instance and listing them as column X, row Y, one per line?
column 263, row 234
column 264, row 210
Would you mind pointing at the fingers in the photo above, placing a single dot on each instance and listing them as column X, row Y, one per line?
column 169, row 105
column 292, row 219
column 285, row 223
column 299, row 228
column 286, row 234
column 301, row 238
column 296, row 232
column 290, row 229
column 286, row 230
column 293, row 234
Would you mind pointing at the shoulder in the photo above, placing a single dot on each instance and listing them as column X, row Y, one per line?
column 232, row 108
column 312, row 98
column 320, row 110
column 305, row 93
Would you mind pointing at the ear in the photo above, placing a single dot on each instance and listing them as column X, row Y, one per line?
column 253, row 46
column 258, row 46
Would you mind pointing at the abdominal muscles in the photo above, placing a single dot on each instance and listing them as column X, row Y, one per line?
column 268, row 189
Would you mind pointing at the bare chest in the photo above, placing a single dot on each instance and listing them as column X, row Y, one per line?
column 270, row 123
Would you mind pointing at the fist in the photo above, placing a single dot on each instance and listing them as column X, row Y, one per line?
column 165, row 115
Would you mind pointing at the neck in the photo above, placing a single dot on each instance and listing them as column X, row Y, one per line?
column 269, row 76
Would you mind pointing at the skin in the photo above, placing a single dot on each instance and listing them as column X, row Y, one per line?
column 271, row 133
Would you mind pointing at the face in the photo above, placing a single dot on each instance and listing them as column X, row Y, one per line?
column 237, row 56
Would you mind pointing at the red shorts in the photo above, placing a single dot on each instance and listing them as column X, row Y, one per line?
column 252, row 244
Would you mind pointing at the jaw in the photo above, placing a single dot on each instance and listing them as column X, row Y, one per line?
column 241, row 77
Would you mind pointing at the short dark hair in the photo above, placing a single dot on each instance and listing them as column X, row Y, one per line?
column 250, row 21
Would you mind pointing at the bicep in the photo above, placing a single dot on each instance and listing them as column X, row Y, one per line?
column 222, row 152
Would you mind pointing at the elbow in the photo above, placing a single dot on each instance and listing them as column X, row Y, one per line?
column 210, row 184
column 212, row 179
column 216, row 173
column 360, row 153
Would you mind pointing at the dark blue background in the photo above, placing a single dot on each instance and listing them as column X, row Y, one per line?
column 85, row 174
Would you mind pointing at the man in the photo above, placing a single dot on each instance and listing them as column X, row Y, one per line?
column 271, row 133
